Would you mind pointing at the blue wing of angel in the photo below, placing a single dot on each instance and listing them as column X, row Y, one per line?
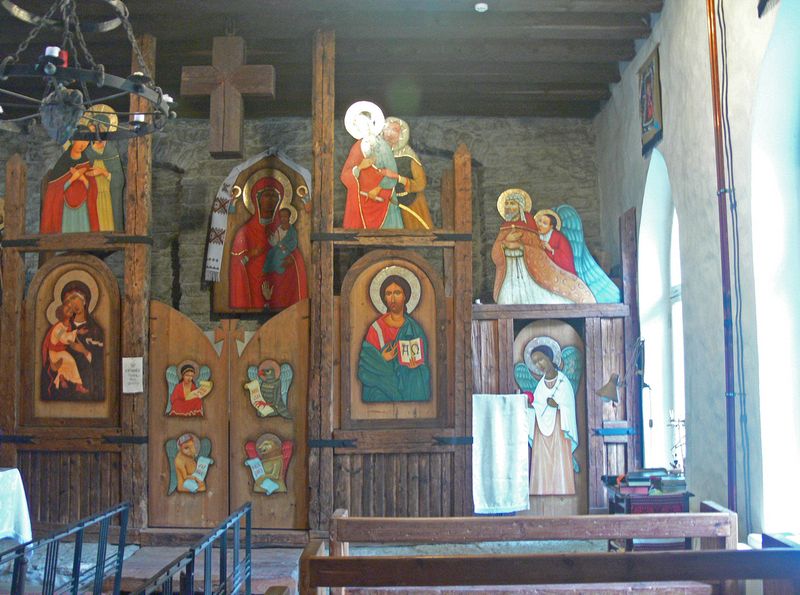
column 286, row 381
column 204, row 374
column 173, row 378
column 603, row 288
column 525, row 380
column 171, row 446
column 572, row 362
column 205, row 447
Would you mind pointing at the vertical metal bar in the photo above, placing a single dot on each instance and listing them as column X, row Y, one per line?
column 76, row 561
column 188, row 586
column 20, row 570
column 207, row 570
column 248, row 546
column 51, row 561
column 223, row 557
column 123, row 532
column 236, row 544
column 722, row 208
column 100, row 560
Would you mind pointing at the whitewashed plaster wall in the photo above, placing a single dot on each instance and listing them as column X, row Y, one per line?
column 688, row 148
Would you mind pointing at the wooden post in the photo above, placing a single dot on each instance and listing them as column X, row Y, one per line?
column 462, row 218
column 320, row 387
column 136, row 300
column 11, row 321
column 338, row 548
column 633, row 388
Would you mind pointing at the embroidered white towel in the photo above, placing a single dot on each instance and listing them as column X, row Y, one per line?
column 499, row 453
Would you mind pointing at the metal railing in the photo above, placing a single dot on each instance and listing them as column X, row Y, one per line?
column 81, row 579
column 184, row 566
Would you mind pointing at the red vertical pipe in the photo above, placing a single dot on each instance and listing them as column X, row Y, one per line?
column 722, row 206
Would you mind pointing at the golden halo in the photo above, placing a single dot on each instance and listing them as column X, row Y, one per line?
column 292, row 212
column 549, row 212
column 302, row 190
column 236, row 192
column 188, row 362
column 75, row 275
column 270, row 363
column 547, row 342
column 288, row 192
column 501, row 200
column 411, row 278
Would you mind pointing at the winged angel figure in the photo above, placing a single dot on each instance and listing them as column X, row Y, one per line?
column 268, row 388
column 550, row 376
column 189, row 459
column 543, row 258
column 187, row 385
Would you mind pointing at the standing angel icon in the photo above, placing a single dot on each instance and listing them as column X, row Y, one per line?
column 551, row 376
column 268, row 388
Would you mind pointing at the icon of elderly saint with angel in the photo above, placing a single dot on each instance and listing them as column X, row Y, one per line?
column 550, row 376
column 543, row 258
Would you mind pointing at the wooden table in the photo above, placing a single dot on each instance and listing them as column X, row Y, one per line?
column 619, row 503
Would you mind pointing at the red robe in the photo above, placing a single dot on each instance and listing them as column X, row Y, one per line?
column 182, row 407
column 562, row 252
column 361, row 212
column 245, row 280
column 55, row 196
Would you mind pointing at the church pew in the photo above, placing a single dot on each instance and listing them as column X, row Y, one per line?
column 716, row 530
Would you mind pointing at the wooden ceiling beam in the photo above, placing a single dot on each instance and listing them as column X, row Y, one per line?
column 323, row 7
column 198, row 51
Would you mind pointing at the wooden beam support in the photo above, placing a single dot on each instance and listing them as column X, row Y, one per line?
column 13, row 270
column 535, row 569
column 499, row 311
column 472, row 529
column 320, row 388
column 462, row 327
column 633, row 388
column 136, row 301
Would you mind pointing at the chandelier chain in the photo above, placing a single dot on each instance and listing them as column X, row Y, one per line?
column 35, row 31
column 126, row 24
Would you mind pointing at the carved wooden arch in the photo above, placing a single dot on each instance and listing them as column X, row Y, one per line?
column 350, row 390
column 35, row 325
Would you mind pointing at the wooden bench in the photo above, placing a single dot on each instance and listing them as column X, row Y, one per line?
column 327, row 563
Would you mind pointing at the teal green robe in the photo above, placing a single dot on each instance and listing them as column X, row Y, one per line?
column 387, row 382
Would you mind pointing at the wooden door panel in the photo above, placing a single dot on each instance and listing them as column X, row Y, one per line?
column 284, row 339
column 174, row 339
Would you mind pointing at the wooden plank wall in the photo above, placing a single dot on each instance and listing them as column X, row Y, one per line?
column 604, row 338
column 395, row 484
column 65, row 486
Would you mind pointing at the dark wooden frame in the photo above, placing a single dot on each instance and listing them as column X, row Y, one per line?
column 444, row 396
column 32, row 342
column 651, row 138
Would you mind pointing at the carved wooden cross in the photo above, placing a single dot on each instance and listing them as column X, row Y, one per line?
column 227, row 80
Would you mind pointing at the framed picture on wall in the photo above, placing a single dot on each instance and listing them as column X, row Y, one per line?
column 650, row 103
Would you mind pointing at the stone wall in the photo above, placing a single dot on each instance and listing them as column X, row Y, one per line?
column 554, row 160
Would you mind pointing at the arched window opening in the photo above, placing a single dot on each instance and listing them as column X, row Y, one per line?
column 661, row 319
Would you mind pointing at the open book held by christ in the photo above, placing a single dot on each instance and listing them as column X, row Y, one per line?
column 410, row 353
